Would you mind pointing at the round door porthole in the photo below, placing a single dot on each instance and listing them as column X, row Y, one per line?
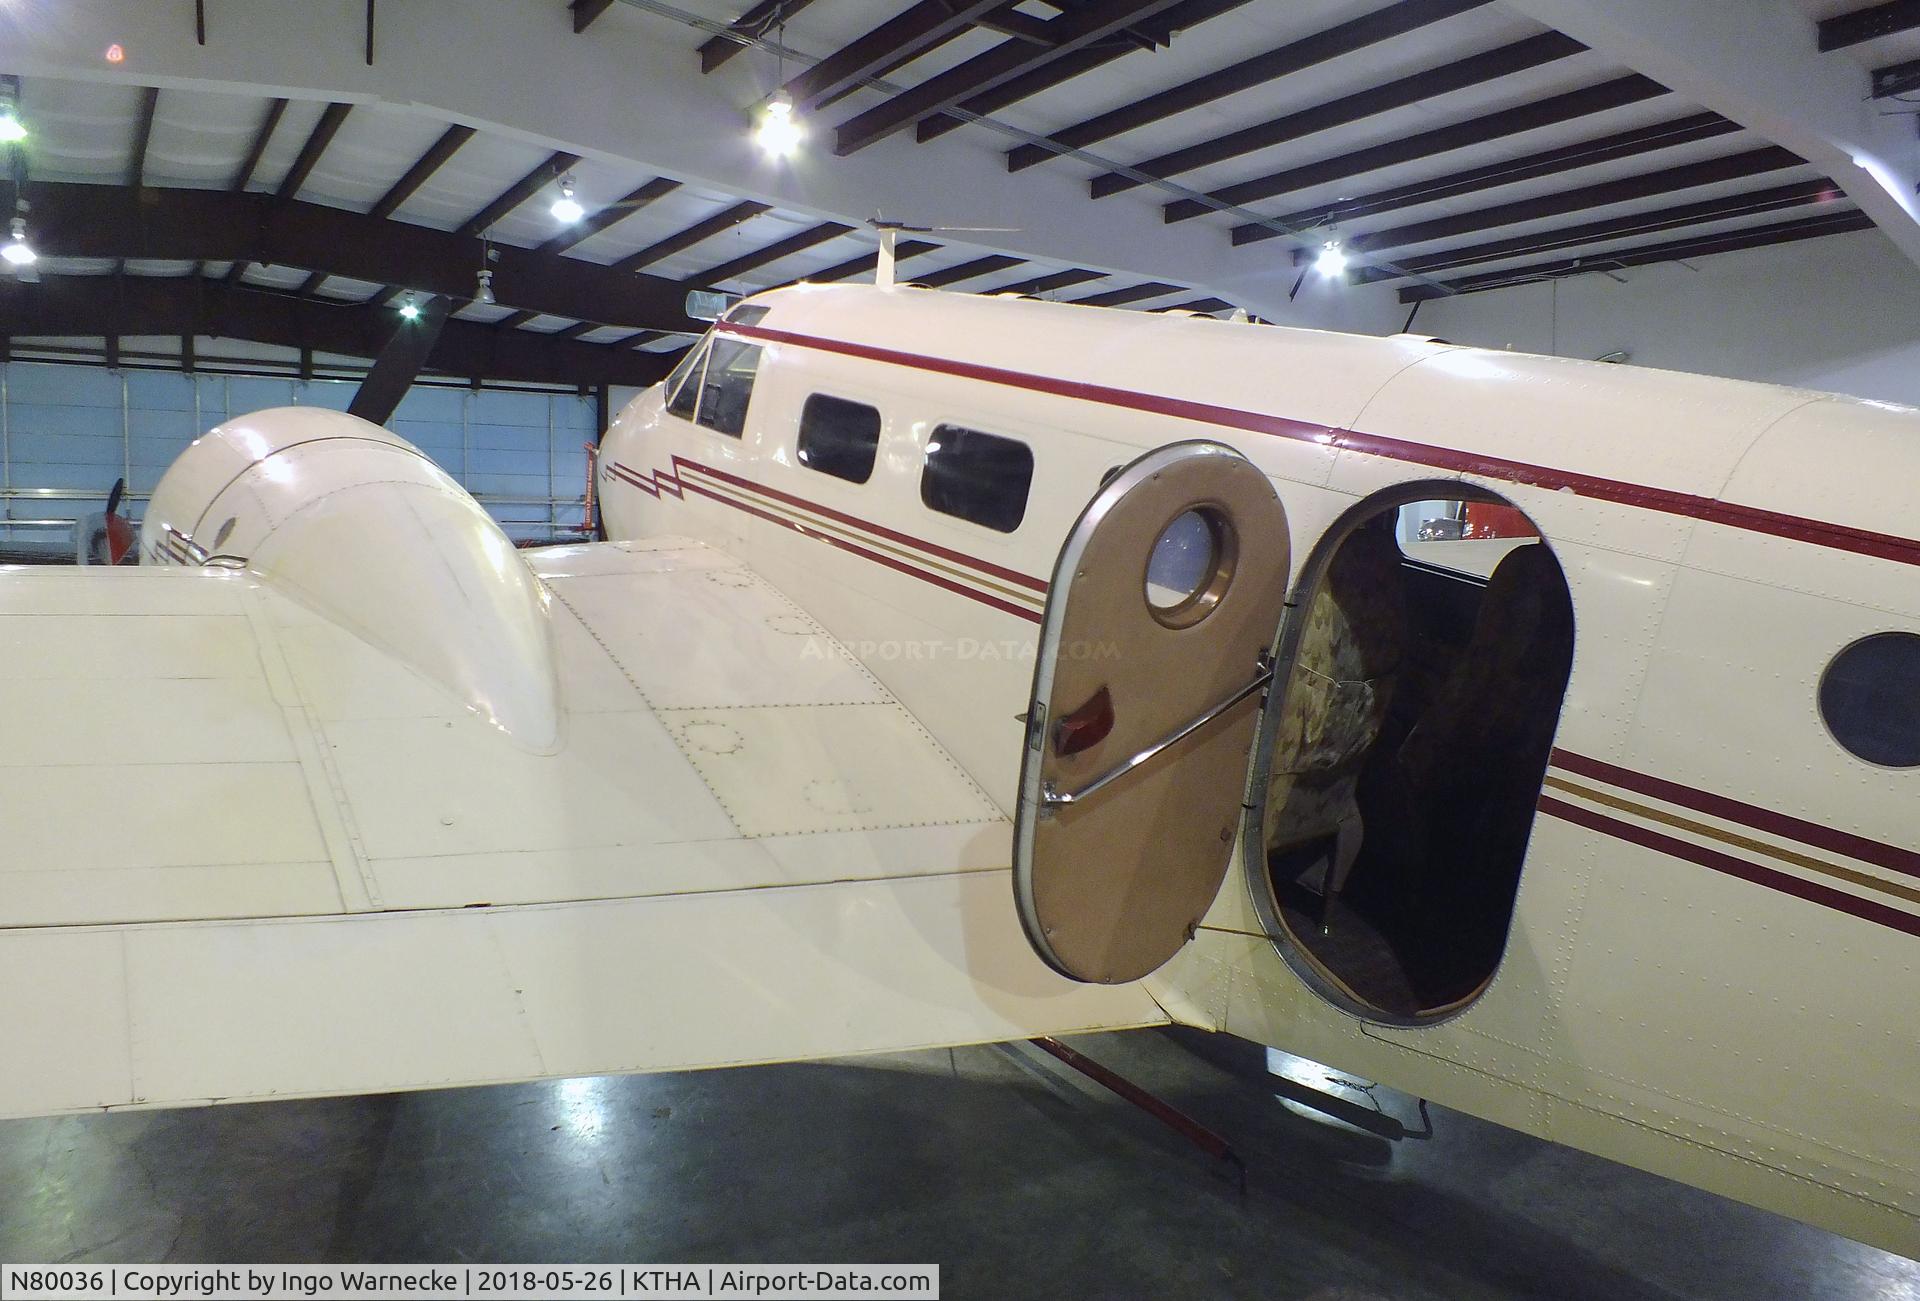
column 1190, row 566
column 1870, row 699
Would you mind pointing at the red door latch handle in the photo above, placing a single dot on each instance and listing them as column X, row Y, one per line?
column 1085, row 727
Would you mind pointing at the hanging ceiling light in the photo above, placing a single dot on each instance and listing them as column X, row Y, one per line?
column 566, row 208
column 1332, row 260
column 484, row 294
column 779, row 132
column 409, row 310
column 16, row 250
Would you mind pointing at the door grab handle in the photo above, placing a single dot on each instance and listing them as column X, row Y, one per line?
column 1051, row 798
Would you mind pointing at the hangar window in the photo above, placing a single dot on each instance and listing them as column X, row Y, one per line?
column 839, row 437
column 1870, row 698
column 683, row 385
column 979, row 477
column 727, row 385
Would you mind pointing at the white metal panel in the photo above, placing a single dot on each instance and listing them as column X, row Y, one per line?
column 181, row 721
column 163, row 815
column 451, row 786
column 715, row 637
column 801, row 768
column 580, row 872
column 26, row 589
column 88, row 647
column 858, row 966
column 243, row 1010
column 254, row 1009
column 55, row 894
column 64, row 1020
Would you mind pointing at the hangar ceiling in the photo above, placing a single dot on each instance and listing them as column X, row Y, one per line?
column 1144, row 153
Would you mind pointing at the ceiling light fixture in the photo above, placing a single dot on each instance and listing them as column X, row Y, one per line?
column 566, row 208
column 484, row 294
column 409, row 310
column 1332, row 260
column 12, row 129
column 779, row 132
column 16, row 250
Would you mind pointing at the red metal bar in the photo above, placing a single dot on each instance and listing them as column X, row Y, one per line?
column 1161, row 1110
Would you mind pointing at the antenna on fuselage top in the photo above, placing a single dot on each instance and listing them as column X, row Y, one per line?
column 889, row 231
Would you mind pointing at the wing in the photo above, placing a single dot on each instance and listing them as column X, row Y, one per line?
column 250, row 856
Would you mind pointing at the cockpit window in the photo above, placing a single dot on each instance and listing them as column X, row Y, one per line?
column 747, row 314
column 682, row 394
column 727, row 385
column 1870, row 699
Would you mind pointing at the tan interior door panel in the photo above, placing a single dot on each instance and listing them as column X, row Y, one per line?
column 1148, row 687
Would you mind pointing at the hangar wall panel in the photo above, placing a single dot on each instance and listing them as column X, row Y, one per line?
column 68, row 431
column 1840, row 314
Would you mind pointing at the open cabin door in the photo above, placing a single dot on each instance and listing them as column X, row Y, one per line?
column 1147, row 691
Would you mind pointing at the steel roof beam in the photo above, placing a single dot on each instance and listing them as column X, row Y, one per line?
column 980, row 266
column 1344, row 38
column 1131, row 294
column 1764, row 72
column 586, row 11
column 1754, row 162
column 866, row 262
column 1046, row 284
column 985, row 71
column 1552, row 111
column 1206, row 305
column 1161, row 29
column 686, row 239
column 519, row 192
column 1646, row 255
column 142, row 136
column 276, row 108
column 213, row 226
column 617, row 211
column 89, row 306
column 797, row 243
column 423, row 168
column 1550, row 162
column 904, row 36
column 1475, row 70
column 755, row 22
column 1775, row 199
column 1869, row 24
column 303, row 164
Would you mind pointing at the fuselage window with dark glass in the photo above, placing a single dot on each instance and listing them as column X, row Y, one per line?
column 838, row 437
column 982, row 478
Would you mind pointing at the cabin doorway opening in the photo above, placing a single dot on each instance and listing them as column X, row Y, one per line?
column 1424, row 663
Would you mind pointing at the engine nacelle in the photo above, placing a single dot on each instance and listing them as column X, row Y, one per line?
column 361, row 527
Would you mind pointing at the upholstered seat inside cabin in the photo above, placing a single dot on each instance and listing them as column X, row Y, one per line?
column 1344, row 670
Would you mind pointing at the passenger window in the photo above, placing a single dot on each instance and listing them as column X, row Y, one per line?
column 727, row 385
column 978, row 477
column 683, row 385
column 839, row 437
column 1870, row 698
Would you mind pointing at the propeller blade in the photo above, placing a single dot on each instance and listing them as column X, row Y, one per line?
column 400, row 363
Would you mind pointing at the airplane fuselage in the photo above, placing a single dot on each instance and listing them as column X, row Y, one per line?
column 1710, row 965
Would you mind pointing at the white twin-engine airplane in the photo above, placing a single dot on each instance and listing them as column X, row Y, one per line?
column 1532, row 735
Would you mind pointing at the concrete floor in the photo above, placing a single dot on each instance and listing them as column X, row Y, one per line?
column 1016, row 1176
